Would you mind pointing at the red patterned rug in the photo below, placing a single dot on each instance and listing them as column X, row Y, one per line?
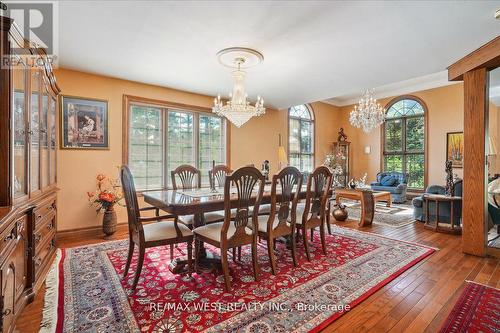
column 91, row 296
column 477, row 310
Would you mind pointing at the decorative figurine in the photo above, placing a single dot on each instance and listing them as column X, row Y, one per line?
column 265, row 169
column 449, row 177
column 342, row 136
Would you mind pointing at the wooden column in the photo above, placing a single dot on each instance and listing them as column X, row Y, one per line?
column 474, row 212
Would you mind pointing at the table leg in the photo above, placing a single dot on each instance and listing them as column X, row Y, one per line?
column 437, row 213
column 207, row 261
column 427, row 218
column 389, row 200
column 367, row 208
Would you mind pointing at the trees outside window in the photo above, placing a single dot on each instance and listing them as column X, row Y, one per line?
column 404, row 140
column 301, row 138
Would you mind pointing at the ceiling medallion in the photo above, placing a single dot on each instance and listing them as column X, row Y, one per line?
column 238, row 110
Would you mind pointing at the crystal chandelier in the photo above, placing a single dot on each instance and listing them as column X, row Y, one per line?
column 368, row 113
column 238, row 110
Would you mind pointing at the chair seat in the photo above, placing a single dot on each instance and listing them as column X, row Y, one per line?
column 300, row 211
column 263, row 223
column 263, row 209
column 163, row 230
column 209, row 217
column 213, row 231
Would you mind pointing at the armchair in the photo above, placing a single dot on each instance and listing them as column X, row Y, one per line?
column 397, row 188
column 494, row 202
column 444, row 208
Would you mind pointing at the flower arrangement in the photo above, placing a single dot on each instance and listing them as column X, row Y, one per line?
column 107, row 194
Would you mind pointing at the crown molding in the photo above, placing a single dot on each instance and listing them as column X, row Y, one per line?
column 436, row 80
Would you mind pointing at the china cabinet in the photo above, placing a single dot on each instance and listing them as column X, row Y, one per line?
column 342, row 147
column 28, row 188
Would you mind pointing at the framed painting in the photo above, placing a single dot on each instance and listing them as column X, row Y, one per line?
column 84, row 123
column 455, row 149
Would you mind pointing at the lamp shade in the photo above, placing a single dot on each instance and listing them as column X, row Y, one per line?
column 282, row 158
column 492, row 150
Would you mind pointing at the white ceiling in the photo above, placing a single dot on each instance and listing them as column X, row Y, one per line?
column 313, row 50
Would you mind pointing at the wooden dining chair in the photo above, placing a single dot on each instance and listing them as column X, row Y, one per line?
column 282, row 217
column 158, row 233
column 312, row 214
column 190, row 178
column 218, row 174
column 235, row 232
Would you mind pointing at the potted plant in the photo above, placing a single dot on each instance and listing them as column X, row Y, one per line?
column 107, row 194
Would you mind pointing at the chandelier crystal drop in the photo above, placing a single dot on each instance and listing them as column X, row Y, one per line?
column 238, row 110
column 368, row 114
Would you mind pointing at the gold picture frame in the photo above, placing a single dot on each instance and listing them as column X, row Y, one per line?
column 84, row 123
column 455, row 149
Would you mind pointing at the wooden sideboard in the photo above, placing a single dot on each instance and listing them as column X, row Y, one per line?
column 28, row 155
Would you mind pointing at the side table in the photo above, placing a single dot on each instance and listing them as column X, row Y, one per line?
column 438, row 199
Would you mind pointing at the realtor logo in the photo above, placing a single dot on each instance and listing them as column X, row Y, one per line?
column 37, row 22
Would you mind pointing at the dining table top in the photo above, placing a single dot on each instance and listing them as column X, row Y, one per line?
column 195, row 201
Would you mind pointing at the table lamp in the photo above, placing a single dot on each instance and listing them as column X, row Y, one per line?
column 282, row 158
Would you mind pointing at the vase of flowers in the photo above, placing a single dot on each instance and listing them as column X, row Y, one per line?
column 104, row 199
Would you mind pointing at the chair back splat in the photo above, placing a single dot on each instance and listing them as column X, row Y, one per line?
column 189, row 176
column 218, row 174
column 318, row 187
column 244, row 181
column 284, row 205
column 130, row 195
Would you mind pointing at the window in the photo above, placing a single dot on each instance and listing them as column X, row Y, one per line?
column 404, row 140
column 301, row 138
column 161, row 138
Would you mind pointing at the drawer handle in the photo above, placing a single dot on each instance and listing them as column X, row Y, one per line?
column 38, row 262
column 6, row 312
column 50, row 226
column 39, row 216
column 9, row 237
column 38, row 237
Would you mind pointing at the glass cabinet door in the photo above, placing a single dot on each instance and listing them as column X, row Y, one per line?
column 19, row 78
column 52, row 127
column 35, row 131
column 44, row 140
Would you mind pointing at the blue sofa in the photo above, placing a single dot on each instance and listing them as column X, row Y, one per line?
column 397, row 189
column 419, row 211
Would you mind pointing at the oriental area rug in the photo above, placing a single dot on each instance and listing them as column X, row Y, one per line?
column 477, row 310
column 86, row 292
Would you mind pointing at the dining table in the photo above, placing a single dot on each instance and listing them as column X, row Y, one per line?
column 197, row 202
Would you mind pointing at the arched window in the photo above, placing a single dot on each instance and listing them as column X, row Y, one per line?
column 404, row 139
column 301, row 138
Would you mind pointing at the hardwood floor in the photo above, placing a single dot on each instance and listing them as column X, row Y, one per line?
column 416, row 301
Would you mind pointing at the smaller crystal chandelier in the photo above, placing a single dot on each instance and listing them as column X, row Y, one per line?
column 368, row 113
column 238, row 110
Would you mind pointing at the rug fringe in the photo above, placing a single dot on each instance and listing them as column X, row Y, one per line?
column 49, row 320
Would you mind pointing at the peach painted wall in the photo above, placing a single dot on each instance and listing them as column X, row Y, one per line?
column 445, row 114
column 494, row 128
column 254, row 142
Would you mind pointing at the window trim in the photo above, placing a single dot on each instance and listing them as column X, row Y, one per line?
column 426, row 141
column 313, row 123
column 172, row 106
